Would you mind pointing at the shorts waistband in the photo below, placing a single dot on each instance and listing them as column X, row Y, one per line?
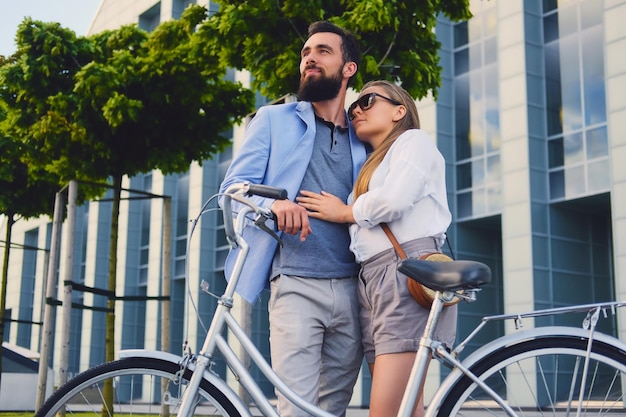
column 421, row 244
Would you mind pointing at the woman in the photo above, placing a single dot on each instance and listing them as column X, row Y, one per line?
column 402, row 184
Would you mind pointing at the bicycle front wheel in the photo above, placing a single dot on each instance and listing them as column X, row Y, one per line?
column 140, row 386
column 547, row 376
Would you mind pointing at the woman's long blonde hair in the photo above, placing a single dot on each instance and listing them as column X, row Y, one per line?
column 409, row 121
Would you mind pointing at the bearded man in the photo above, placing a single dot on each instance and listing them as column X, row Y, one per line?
column 307, row 145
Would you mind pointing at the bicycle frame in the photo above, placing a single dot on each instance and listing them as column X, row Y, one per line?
column 462, row 368
column 468, row 384
column 223, row 317
column 215, row 339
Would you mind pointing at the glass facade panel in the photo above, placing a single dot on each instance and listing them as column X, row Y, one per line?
column 573, row 148
column 549, row 5
column 462, row 117
column 557, row 185
column 490, row 20
column 591, row 13
column 475, row 57
column 599, row 176
column 494, row 198
column 493, row 169
column 593, row 73
column 555, row 153
column 597, row 143
column 464, row 176
column 464, row 204
column 461, row 61
column 570, row 84
column 492, row 110
column 553, row 89
column 477, row 115
column 574, row 181
column 568, row 21
column 575, row 98
column 550, row 27
column 460, row 34
column 478, row 174
column 491, row 51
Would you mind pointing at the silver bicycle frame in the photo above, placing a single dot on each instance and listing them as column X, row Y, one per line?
column 215, row 339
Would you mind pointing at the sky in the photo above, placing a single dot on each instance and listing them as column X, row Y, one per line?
column 71, row 14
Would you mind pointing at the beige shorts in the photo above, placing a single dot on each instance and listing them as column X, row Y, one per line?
column 391, row 320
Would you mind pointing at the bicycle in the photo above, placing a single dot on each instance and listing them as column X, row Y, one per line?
column 548, row 370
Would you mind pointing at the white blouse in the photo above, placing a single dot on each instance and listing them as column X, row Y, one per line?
column 407, row 191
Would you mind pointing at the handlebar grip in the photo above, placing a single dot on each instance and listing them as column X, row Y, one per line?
column 267, row 191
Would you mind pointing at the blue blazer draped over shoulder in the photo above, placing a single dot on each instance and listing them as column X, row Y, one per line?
column 276, row 151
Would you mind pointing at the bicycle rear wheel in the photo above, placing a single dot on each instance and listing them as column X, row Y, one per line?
column 141, row 386
column 543, row 377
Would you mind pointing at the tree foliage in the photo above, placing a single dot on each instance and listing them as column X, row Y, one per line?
column 397, row 38
column 121, row 102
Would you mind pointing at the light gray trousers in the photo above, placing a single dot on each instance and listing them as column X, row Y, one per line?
column 315, row 340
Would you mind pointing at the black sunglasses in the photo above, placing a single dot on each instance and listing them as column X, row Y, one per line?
column 366, row 102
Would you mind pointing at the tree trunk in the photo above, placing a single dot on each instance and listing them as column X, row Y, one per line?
column 5, row 276
column 110, row 321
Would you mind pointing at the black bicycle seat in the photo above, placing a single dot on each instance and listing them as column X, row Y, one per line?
column 446, row 276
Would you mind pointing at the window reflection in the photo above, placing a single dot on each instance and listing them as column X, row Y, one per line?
column 597, row 143
column 555, row 153
column 477, row 115
column 593, row 72
column 557, row 185
column 553, row 89
column 599, row 176
column 575, row 98
column 574, row 181
column 573, row 148
column 570, row 84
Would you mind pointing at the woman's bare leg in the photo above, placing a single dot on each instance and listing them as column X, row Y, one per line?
column 390, row 375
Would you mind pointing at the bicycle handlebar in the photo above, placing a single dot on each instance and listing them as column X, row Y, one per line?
column 267, row 191
column 239, row 192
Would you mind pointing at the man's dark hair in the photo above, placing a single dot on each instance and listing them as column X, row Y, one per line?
column 349, row 45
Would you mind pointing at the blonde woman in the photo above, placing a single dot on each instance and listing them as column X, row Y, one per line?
column 402, row 184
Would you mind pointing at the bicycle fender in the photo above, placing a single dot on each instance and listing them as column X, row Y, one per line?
column 209, row 376
column 509, row 340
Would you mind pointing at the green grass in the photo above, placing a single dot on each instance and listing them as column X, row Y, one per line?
column 16, row 414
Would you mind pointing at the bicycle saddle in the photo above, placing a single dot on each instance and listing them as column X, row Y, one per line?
column 446, row 276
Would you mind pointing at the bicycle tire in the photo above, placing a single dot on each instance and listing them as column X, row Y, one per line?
column 537, row 375
column 137, row 387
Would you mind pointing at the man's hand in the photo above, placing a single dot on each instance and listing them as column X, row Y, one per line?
column 291, row 218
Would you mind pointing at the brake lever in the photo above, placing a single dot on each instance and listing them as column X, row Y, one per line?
column 260, row 223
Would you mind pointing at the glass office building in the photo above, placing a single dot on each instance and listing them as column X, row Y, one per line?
column 531, row 118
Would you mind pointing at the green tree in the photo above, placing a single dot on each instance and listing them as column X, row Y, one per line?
column 25, row 192
column 397, row 38
column 121, row 102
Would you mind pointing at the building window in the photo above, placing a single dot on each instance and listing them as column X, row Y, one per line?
column 151, row 18
column 477, row 115
column 578, row 148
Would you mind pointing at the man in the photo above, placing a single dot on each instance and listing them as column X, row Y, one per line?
column 308, row 145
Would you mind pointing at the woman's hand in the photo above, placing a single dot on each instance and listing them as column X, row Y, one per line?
column 325, row 206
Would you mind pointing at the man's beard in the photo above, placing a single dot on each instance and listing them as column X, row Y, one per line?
column 320, row 88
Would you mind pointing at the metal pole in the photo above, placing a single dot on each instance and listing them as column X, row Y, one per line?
column 48, row 315
column 68, row 278
column 165, row 289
